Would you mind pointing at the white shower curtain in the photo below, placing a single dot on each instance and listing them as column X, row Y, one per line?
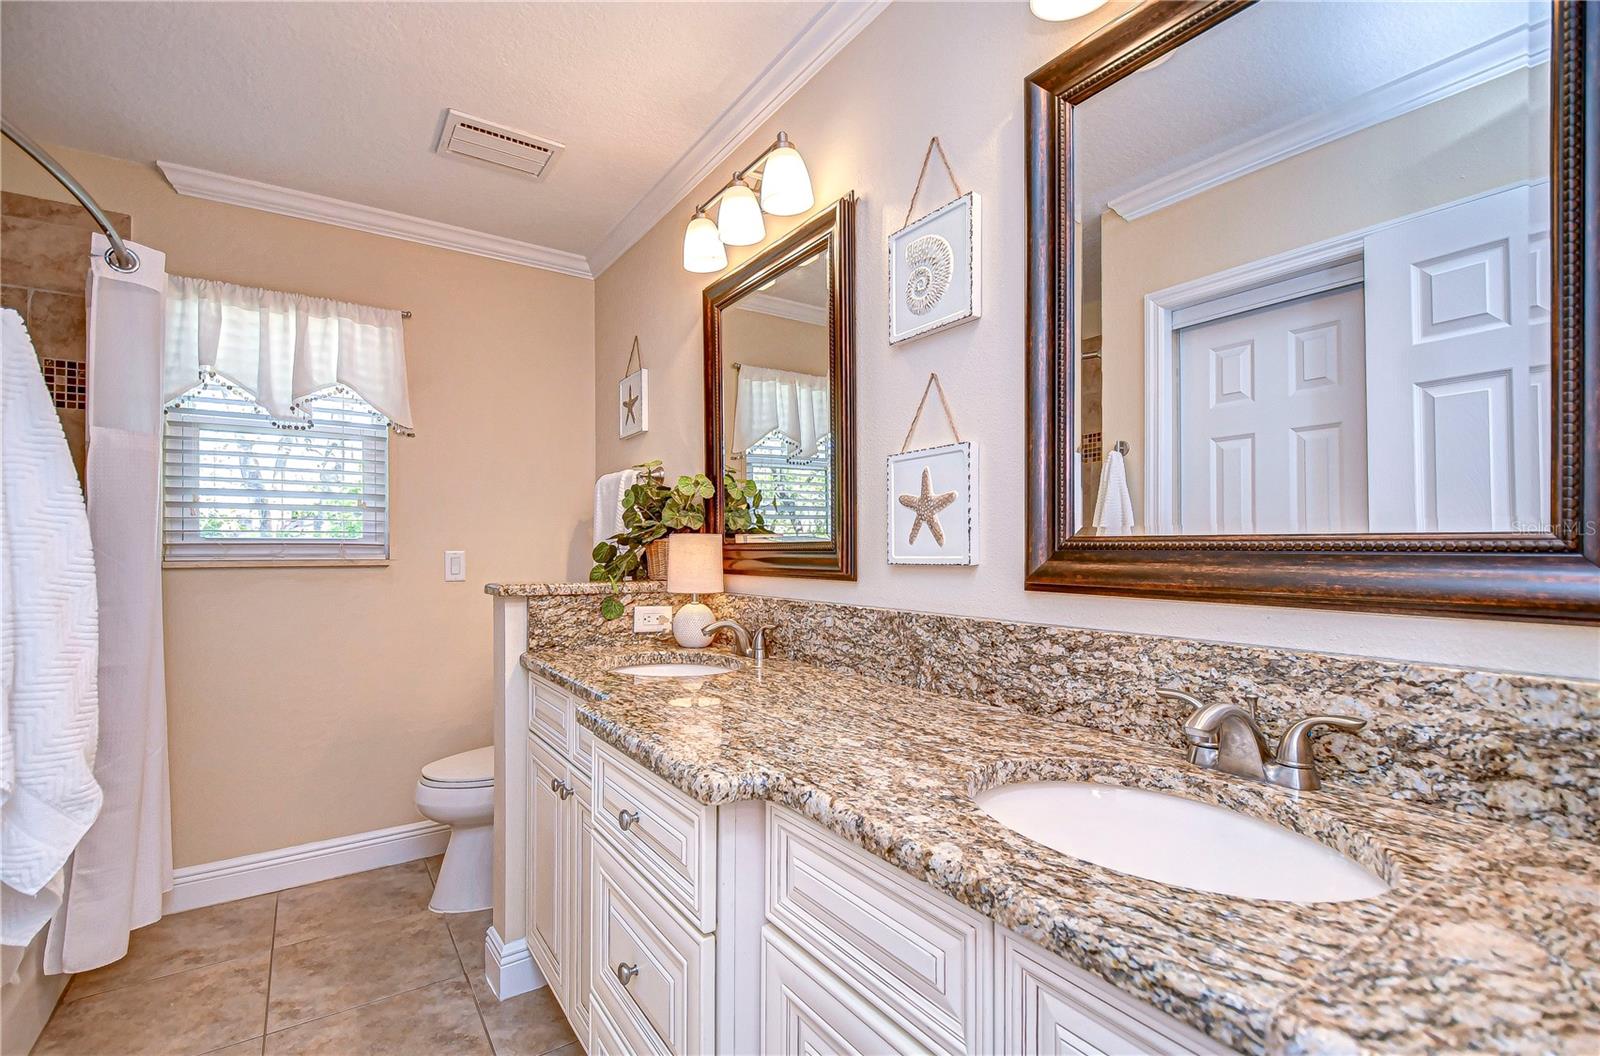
column 124, row 864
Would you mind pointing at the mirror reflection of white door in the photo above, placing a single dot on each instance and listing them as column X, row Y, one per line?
column 1272, row 410
column 1458, row 339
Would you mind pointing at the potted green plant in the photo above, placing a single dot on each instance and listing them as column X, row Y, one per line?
column 652, row 511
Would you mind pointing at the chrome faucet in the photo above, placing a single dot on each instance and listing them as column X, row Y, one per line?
column 1224, row 736
column 744, row 643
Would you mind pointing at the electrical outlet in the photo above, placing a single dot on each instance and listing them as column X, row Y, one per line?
column 455, row 566
column 652, row 619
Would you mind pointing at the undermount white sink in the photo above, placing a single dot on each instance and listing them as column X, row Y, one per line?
column 1178, row 841
column 671, row 669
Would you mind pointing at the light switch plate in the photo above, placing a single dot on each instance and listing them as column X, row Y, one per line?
column 652, row 619
column 455, row 566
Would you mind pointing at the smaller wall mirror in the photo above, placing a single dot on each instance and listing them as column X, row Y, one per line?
column 780, row 399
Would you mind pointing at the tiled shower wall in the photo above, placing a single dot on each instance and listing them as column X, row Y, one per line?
column 44, row 263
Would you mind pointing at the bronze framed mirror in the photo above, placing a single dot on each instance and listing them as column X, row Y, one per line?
column 1311, row 308
column 780, row 399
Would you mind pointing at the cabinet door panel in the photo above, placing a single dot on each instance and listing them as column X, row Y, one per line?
column 548, row 871
column 807, row 1011
column 582, row 902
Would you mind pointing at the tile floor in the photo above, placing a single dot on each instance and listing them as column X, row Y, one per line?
column 348, row 966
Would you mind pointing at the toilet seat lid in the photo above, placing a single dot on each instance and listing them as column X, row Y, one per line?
column 466, row 768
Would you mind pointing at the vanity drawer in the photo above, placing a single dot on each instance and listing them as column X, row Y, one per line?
column 806, row 1010
column 668, row 838
column 1053, row 1007
column 668, row 1002
column 550, row 715
column 920, row 957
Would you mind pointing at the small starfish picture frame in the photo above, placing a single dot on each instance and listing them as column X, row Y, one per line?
column 933, row 506
column 633, row 404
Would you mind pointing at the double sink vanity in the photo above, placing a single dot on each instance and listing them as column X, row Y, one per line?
column 707, row 854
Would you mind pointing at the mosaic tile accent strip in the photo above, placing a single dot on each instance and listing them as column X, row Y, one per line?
column 1090, row 445
column 68, row 382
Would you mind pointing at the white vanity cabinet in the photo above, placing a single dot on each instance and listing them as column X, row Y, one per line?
column 556, row 880
column 669, row 927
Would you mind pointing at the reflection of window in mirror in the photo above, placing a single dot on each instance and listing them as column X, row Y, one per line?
column 1317, row 287
column 777, row 411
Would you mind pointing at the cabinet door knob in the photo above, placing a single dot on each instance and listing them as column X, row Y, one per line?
column 555, row 785
column 627, row 819
column 626, row 972
column 565, row 791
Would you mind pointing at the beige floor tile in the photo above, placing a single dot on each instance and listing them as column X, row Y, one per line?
column 433, row 866
column 252, row 1048
column 183, row 941
column 319, row 977
column 192, row 1012
column 467, row 929
column 351, row 903
column 529, row 1024
column 575, row 1049
column 436, row 1020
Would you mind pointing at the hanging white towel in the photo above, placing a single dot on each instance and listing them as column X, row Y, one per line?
column 608, row 505
column 1113, row 508
column 48, row 708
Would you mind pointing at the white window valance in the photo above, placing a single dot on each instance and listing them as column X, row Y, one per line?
column 794, row 405
column 283, row 349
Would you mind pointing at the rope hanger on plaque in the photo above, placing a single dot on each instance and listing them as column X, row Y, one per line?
column 934, row 266
column 933, row 495
column 633, row 395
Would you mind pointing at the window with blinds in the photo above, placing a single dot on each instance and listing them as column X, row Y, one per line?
column 238, row 488
column 796, row 493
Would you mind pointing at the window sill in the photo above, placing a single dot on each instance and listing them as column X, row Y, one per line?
column 285, row 563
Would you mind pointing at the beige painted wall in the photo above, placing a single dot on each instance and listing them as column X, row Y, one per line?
column 956, row 71
column 302, row 702
column 1468, row 143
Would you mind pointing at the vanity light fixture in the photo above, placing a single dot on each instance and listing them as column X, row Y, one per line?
column 784, row 183
column 1063, row 10
column 702, row 248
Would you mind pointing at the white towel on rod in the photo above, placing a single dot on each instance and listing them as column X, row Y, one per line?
column 1113, row 508
column 608, row 502
column 49, row 708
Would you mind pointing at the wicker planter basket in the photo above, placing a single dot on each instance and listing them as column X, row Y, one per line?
column 655, row 560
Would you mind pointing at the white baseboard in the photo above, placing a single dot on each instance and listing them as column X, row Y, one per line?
column 508, row 966
column 195, row 886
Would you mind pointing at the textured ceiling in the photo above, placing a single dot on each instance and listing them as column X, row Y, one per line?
column 346, row 100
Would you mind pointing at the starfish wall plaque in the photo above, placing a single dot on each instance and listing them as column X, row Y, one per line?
column 933, row 505
column 927, row 506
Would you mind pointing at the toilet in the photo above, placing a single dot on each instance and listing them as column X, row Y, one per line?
column 458, row 790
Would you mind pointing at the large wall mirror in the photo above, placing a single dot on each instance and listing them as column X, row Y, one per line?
column 780, row 398
column 1307, row 308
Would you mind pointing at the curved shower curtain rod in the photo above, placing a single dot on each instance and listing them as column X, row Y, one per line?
column 119, row 256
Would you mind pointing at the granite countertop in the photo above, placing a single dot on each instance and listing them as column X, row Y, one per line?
column 1487, row 940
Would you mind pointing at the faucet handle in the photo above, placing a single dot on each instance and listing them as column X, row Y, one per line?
column 758, row 640
column 1295, row 748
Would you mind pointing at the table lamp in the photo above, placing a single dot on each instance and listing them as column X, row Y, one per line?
column 694, row 567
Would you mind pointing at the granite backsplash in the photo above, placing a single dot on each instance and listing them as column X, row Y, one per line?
column 1500, row 747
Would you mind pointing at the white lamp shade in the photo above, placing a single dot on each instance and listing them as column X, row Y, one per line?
column 694, row 563
column 739, row 220
column 785, row 183
column 1063, row 10
column 702, row 249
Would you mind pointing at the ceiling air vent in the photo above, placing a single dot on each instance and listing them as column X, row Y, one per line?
column 469, row 137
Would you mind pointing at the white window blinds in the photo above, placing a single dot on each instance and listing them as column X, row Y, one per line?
column 238, row 487
column 796, row 493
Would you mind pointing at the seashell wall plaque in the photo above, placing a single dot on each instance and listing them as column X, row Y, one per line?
column 934, row 271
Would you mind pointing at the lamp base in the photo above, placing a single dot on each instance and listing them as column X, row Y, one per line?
column 689, row 624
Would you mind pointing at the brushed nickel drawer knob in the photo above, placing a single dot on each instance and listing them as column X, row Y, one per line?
column 626, row 972
column 627, row 819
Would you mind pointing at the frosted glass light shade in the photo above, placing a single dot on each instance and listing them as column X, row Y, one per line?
column 702, row 249
column 1063, row 10
column 694, row 563
column 785, row 183
column 739, row 220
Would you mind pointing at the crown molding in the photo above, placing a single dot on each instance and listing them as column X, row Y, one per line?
column 784, row 308
column 812, row 48
column 252, row 194
column 1479, row 64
